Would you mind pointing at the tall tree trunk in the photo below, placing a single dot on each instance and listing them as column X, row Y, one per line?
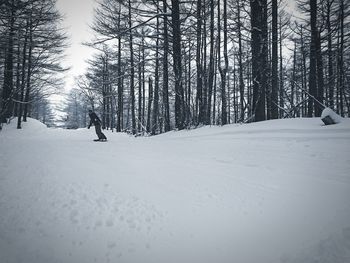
column 29, row 74
column 8, row 71
column 240, row 63
column 132, row 72
column 330, row 84
column 292, row 84
column 235, row 102
column 23, row 74
column 304, row 72
column 258, row 60
column 341, row 59
column 204, row 63
column 166, row 72
column 320, row 81
column 149, row 106
column 16, row 94
column 265, row 66
column 219, row 46
column 106, row 124
column 179, row 92
column 223, row 71
column 313, row 59
column 120, row 89
column 250, row 90
column 224, row 113
column 199, row 98
column 211, row 63
column 120, row 85
column 215, row 81
column 274, row 81
column 156, row 87
column 229, row 92
column 189, row 88
column 104, row 89
column 139, row 123
column 281, row 84
column 143, row 83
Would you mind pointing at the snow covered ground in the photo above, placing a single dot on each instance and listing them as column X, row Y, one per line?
column 275, row 191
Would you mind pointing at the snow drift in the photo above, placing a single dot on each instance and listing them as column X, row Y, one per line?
column 268, row 192
column 329, row 113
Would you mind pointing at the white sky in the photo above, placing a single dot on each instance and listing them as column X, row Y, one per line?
column 78, row 15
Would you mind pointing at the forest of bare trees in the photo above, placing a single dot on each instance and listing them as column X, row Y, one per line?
column 31, row 46
column 161, row 65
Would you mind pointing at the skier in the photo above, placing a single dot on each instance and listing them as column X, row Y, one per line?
column 94, row 119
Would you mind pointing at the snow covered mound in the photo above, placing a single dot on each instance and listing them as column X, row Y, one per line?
column 334, row 118
column 32, row 126
column 268, row 192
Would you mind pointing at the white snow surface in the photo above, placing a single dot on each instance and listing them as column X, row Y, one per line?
column 267, row 192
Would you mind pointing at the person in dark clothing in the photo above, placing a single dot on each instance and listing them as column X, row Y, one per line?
column 95, row 120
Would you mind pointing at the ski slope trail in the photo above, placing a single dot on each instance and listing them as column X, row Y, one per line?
column 268, row 192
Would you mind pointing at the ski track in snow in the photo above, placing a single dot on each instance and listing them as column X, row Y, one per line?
column 269, row 192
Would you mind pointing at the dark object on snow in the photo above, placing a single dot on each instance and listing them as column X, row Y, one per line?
column 328, row 120
column 94, row 119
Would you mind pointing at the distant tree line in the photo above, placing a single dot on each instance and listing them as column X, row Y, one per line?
column 163, row 65
column 31, row 47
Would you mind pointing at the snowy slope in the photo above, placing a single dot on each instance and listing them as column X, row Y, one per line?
column 275, row 191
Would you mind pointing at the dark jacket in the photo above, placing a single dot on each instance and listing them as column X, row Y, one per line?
column 94, row 119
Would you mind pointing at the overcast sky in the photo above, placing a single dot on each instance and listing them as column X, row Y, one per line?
column 78, row 15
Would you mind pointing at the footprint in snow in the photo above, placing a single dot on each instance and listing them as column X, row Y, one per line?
column 111, row 245
column 98, row 223
column 110, row 223
column 73, row 216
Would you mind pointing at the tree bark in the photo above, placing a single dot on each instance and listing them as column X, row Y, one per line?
column 331, row 83
column 313, row 59
column 240, row 63
column 8, row 71
column 258, row 60
column 23, row 74
column 149, row 106
column 274, row 81
column 211, row 63
column 156, row 87
column 120, row 85
column 281, row 82
column 320, row 81
column 139, row 123
column 166, row 72
column 199, row 98
column 29, row 74
column 132, row 72
column 340, row 88
column 179, row 92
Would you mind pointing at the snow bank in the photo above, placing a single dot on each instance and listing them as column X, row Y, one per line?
column 329, row 113
column 267, row 192
column 31, row 126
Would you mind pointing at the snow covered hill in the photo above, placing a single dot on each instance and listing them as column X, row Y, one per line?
column 269, row 192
